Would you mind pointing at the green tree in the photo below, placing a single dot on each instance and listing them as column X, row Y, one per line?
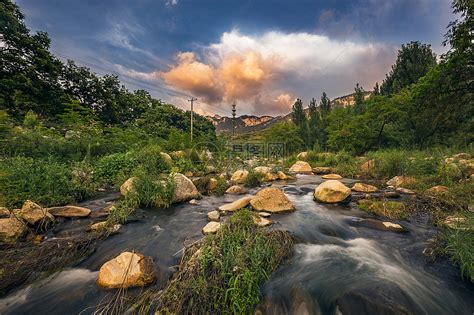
column 358, row 99
column 376, row 89
column 299, row 119
column 413, row 61
column 314, row 124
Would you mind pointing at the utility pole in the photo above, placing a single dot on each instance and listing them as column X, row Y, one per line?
column 192, row 112
column 233, row 120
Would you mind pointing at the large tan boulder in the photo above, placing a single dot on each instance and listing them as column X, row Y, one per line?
column 367, row 167
column 362, row 187
column 331, row 176
column 166, row 157
column 11, row 229
column 211, row 228
column 398, row 181
column 34, row 213
column 184, row 189
column 127, row 186
column 126, row 270
column 331, row 191
column 69, row 212
column 213, row 216
column 302, row 156
column 266, row 173
column 301, row 167
column 236, row 190
column 237, row 204
column 271, row 199
column 239, row 176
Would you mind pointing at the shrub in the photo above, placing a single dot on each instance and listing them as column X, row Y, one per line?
column 154, row 192
column 253, row 179
column 150, row 160
column 113, row 169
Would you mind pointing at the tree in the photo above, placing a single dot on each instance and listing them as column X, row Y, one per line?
column 299, row 119
column 358, row 99
column 376, row 89
column 314, row 124
column 325, row 104
column 413, row 61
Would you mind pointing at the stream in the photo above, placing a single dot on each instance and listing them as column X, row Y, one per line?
column 338, row 264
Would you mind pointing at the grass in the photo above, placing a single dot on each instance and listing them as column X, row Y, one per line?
column 253, row 179
column 224, row 273
column 389, row 209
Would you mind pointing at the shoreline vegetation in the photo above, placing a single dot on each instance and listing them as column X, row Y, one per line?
column 69, row 135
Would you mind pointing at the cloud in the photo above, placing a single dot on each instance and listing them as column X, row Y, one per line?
column 254, row 70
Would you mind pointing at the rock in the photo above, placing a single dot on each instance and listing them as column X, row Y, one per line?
column 391, row 194
column 302, row 156
column 211, row 169
column 236, row 190
column 236, row 205
column 282, row 176
column 212, row 184
column 188, row 174
column 455, row 222
column 126, row 270
column 69, row 212
column 398, row 181
column 184, row 189
column 266, row 172
column 361, row 187
column 271, row 199
column 239, row 176
column 390, row 209
column 264, row 214
column 34, row 213
column 367, row 167
column 383, row 225
column 437, row 191
column 4, row 212
column 331, row 176
column 261, row 222
column 322, row 170
column 213, row 215
column 166, row 157
column 11, row 229
column 331, row 191
column 100, row 226
column 462, row 156
column 448, row 160
column 406, row 191
column 301, row 167
column 211, row 228
column 127, row 186
column 178, row 154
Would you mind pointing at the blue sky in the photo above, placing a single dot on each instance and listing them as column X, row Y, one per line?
column 260, row 54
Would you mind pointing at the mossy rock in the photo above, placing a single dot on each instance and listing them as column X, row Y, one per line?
column 389, row 209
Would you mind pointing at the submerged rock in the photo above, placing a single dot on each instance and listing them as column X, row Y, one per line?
column 271, row 199
column 236, row 190
column 237, row 204
column 211, row 228
column 331, row 191
column 361, row 187
column 239, row 176
column 331, row 176
column 127, row 186
column 69, row 212
column 184, row 189
column 301, row 167
column 126, row 270
column 383, row 225
column 34, row 213
column 11, row 229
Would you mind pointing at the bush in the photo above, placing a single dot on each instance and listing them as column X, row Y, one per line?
column 154, row 192
column 114, row 169
column 253, row 179
column 150, row 160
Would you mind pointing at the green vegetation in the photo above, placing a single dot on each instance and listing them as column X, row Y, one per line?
column 224, row 274
column 253, row 179
column 460, row 245
column 389, row 209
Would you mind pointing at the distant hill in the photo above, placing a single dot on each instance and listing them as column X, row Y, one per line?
column 250, row 123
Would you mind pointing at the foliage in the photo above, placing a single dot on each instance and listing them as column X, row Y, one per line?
column 253, row 179
column 286, row 133
column 224, row 273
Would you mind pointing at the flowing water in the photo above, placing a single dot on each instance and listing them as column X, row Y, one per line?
column 338, row 261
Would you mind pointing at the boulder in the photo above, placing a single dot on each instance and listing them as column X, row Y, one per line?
column 213, row 216
column 301, row 167
column 398, row 181
column 383, row 225
column 368, row 166
column 188, row 174
column 126, row 270
column 236, row 190
column 236, row 205
column 69, row 212
column 264, row 214
column 462, row 156
column 127, row 186
column 331, row 191
column 239, row 176
column 437, row 191
column 184, row 189
column 406, row 191
column 166, row 157
column 212, row 184
column 34, row 213
column 4, row 212
column 193, row 202
column 282, row 176
column 322, row 170
column 302, row 156
column 366, row 188
column 331, row 176
column 211, row 228
column 271, row 199
column 11, row 229
column 390, row 209
column 103, row 226
column 391, row 194
column 266, row 173
column 261, row 222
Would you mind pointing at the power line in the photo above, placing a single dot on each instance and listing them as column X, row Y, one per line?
column 192, row 111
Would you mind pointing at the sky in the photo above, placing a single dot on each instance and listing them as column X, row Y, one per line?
column 262, row 55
